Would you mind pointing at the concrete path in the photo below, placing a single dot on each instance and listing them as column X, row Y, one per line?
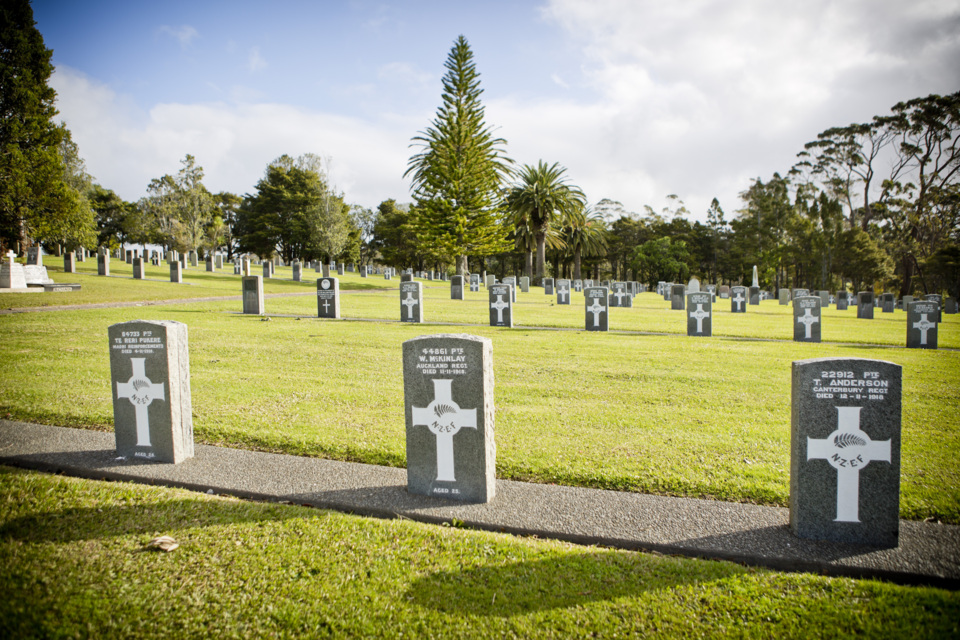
column 929, row 553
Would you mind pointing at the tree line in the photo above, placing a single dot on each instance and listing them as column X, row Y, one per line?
column 872, row 205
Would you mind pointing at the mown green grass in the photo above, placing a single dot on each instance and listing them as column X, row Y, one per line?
column 73, row 563
column 649, row 413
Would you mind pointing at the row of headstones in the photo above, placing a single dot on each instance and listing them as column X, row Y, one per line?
column 845, row 435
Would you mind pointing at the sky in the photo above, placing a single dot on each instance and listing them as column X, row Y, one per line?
column 637, row 99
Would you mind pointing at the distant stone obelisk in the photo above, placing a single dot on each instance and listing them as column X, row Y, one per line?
column 756, row 280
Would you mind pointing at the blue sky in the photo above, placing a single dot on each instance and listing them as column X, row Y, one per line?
column 637, row 99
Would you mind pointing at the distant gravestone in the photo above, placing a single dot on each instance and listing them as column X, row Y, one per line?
column 865, row 305
column 693, row 286
column 845, row 451
column 597, row 310
column 406, row 277
column 578, row 286
column 798, row 293
column 340, row 269
column 563, row 292
column 677, row 297
column 784, row 297
column 449, row 407
column 328, row 298
column 209, row 264
column 512, row 281
column 387, row 274
column 807, row 319
column 103, row 263
column 888, row 302
column 150, row 380
column 363, row 272
column 501, row 305
column 619, row 296
column 194, row 259
column 128, row 256
column 524, row 284
column 69, row 262
column 411, row 302
column 754, row 296
column 456, row 288
column 935, row 297
column 842, row 300
column 218, row 261
column 548, row 286
column 11, row 273
column 252, row 294
column 267, row 269
column 139, row 269
column 922, row 324
column 738, row 300
column 34, row 257
column 176, row 272
column 950, row 306
column 297, row 270
column 699, row 314
column 474, row 282
column 905, row 300
column 824, row 298
column 489, row 281
column 724, row 292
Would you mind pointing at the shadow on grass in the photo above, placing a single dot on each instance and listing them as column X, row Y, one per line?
column 562, row 582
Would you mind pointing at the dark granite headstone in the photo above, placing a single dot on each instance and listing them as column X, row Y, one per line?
column 807, row 319
column 548, row 286
column 139, row 269
column 754, row 295
column 406, row 277
column 340, row 269
column 677, row 299
column 501, row 305
column 824, row 298
column 596, row 303
column 950, row 306
column 724, row 292
column 34, row 257
column 103, row 263
column 267, row 269
column 563, row 292
column 449, row 406
column 328, row 298
column 922, row 324
column 69, row 262
column 865, row 305
column 176, row 272
column 700, row 314
column 738, row 300
column 210, row 264
column 474, row 282
column 252, row 294
column 888, row 302
column 297, row 270
column 843, row 299
column 456, row 288
column 936, row 297
column 150, row 380
column 799, row 293
column 620, row 296
column 411, row 302
column 845, row 451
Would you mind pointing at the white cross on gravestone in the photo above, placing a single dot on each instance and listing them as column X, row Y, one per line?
column 848, row 450
column 409, row 302
column 807, row 320
column 140, row 392
column 444, row 418
column 619, row 296
column 596, row 309
column 326, row 305
column 739, row 299
column 699, row 315
column 924, row 325
column 499, row 305
column 563, row 291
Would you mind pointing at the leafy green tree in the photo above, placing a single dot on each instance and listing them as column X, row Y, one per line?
column 395, row 236
column 116, row 219
column 585, row 236
column 458, row 172
column 178, row 211
column 228, row 207
column 542, row 200
column 662, row 259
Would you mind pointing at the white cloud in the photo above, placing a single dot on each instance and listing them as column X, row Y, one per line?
column 183, row 34
column 255, row 61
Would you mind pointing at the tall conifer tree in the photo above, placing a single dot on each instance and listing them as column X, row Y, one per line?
column 458, row 173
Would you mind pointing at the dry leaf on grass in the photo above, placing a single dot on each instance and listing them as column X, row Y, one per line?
column 163, row 543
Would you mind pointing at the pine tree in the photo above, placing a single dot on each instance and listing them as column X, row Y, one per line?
column 458, row 173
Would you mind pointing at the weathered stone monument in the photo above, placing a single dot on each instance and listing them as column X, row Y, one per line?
column 150, row 380
column 328, row 298
column 699, row 314
column 843, row 299
column 754, row 296
column 807, row 319
column 845, row 451
column 865, row 305
column 11, row 273
column 252, row 294
column 139, row 269
column 210, row 266
column 456, row 288
column 563, row 292
column 176, row 272
column 501, row 305
column 783, row 296
column 950, row 306
column 922, row 324
column 524, row 284
column 411, row 302
column 677, row 300
column 474, row 282
column 512, row 281
column 297, row 271
column 103, row 262
column 620, row 296
column 449, row 407
column 935, row 297
column 738, row 300
column 693, row 286
column 888, row 302
column 548, row 286
column 724, row 292
column 69, row 262
column 34, row 257
column 596, row 304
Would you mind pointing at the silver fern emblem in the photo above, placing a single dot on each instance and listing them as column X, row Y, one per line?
column 441, row 409
column 848, row 440
column 140, row 383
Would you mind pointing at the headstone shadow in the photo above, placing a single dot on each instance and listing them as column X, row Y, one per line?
column 776, row 542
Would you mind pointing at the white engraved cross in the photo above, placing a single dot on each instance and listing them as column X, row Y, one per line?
column 699, row 315
column 924, row 325
column 738, row 299
column 444, row 418
column 848, row 450
column 596, row 309
column 562, row 293
column 499, row 305
column 808, row 320
column 409, row 302
column 140, row 392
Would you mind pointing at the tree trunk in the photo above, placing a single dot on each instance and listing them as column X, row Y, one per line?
column 576, row 263
column 462, row 265
column 541, row 246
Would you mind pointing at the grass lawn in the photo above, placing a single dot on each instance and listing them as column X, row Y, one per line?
column 73, row 563
column 662, row 414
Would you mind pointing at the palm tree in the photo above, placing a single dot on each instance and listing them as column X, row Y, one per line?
column 586, row 236
column 542, row 201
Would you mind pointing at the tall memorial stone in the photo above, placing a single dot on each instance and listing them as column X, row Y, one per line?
column 456, row 288
column 297, row 270
column 843, row 299
column 596, row 303
column 824, row 298
column 922, row 324
column 69, row 262
column 252, row 294
column 845, row 451
column 139, row 268
column 150, row 380
column 474, row 282
column 176, row 272
column 620, row 296
column 103, row 262
column 888, row 303
column 210, row 265
column 501, row 305
column 865, row 305
column 340, row 269
column 34, row 257
column 512, row 281
column 783, row 296
column 699, row 314
column 267, row 270
column 578, row 286
column 449, row 408
column 738, row 300
column 724, row 292
column 411, row 302
column 548, row 286
column 524, row 284
column 677, row 297
column 754, row 296
column 563, row 292
column 950, row 306
column 807, row 319
column 328, row 298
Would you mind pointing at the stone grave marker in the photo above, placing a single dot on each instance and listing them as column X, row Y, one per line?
column 449, row 407
column 474, row 282
column 218, row 261
column 297, row 270
column 69, row 262
column 620, row 296
column 363, row 271
column 563, row 292
column 150, row 380
column 340, row 269
column 267, row 269
column 596, row 304
column 209, row 264
column 456, row 288
column 922, row 324
column 824, row 298
column 139, row 269
column 103, row 262
column 935, row 297
column 888, row 302
column 411, row 302
column 524, row 284
column 724, row 292
column 489, row 281
column 548, row 286
column 738, row 300
column 578, row 286
column 677, row 299
column 807, row 319
column 693, row 286
column 11, row 273
column 512, row 281
column 845, row 451
column 406, row 277
column 865, row 305
column 783, row 296
column 699, row 314
column 501, row 305
column 328, row 298
column 252, row 294
column 949, row 306
column 176, row 272
column 754, row 295
column 843, row 299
